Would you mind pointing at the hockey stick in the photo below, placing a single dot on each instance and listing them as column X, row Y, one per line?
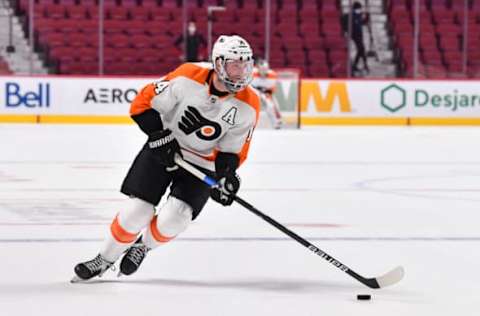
column 387, row 279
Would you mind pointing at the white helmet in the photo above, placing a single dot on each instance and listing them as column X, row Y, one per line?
column 232, row 48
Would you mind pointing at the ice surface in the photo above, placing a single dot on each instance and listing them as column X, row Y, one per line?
column 372, row 197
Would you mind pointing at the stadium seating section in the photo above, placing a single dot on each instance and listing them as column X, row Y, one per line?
column 4, row 69
column 139, row 35
column 441, row 39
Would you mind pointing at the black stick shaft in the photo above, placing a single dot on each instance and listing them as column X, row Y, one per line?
column 368, row 282
column 371, row 282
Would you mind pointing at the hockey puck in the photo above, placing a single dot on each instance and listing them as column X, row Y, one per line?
column 364, row 297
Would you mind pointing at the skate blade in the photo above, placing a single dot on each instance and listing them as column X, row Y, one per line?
column 76, row 279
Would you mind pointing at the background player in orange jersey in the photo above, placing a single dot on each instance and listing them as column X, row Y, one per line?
column 265, row 81
column 206, row 114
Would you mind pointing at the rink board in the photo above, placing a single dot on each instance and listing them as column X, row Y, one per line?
column 106, row 100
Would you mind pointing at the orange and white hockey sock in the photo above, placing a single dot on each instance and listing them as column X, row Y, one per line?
column 125, row 228
column 172, row 219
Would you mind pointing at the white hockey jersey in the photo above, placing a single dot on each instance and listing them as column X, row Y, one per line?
column 202, row 123
column 266, row 83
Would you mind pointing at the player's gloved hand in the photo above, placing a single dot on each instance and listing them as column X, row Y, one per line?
column 164, row 146
column 226, row 189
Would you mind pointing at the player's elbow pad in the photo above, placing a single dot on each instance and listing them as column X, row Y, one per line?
column 149, row 121
column 226, row 163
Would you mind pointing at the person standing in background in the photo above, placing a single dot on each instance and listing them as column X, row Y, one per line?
column 265, row 81
column 359, row 19
column 193, row 46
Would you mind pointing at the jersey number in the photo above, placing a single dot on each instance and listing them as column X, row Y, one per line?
column 161, row 86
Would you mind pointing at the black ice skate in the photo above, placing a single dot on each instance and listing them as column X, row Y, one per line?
column 89, row 269
column 133, row 258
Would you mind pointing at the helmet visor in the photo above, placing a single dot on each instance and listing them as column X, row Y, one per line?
column 236, row 74
column 238, row 70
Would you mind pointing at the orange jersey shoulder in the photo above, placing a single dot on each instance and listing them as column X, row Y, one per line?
column 250, row 97
column 142, row 101
column 194, row 71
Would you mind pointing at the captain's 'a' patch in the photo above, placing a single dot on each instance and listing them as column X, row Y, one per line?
column 230, row 116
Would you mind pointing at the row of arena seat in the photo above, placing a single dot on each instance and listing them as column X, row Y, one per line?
column 441, row 37
column 67, row 55
column 310, row 40
column 4, row 69
column 229, row 4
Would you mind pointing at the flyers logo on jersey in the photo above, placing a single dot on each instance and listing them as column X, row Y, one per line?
column 193, row 121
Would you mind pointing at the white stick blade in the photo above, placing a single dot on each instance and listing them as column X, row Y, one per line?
column 391, row 277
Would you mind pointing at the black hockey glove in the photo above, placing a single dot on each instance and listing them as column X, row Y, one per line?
column 228, row 181
column 164, row 146
column 227, row 188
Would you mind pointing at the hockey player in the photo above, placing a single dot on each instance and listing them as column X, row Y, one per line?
column 265, row 80
column 204, row 113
